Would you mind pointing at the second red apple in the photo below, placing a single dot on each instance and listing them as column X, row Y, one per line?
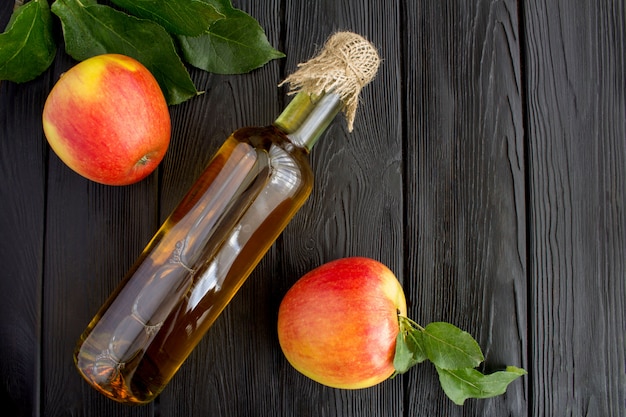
column 338, row 324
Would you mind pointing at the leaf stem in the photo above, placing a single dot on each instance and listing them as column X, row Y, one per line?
column 410, row 323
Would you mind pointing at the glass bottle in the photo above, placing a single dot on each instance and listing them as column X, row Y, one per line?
column 203, row 253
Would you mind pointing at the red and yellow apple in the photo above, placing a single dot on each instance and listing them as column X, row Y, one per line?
column 107, row 119
column 338, row 323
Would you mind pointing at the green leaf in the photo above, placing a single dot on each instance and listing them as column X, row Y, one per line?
column 449, row 347
column 222, row 6
column 455, row 355
column 91, row 29
column 461, row 384
column 409, row 350
column 27, row 47
column 234, row 45
column 179, row 17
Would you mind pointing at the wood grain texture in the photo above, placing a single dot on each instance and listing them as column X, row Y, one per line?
column 22, row 203
column 576, row 87
column 464, row 180
column 233, row 370
column 486, row 169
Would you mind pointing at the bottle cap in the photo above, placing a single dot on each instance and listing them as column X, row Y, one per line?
column 346, row 63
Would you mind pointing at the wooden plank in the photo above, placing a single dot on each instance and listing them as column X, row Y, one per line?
column 465, row 226
column 22, row 205
column 576, row 55
column 232, row 371
column 93, row 234
column 356, row 207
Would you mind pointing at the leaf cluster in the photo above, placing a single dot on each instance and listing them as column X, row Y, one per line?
column 455, row 355
column 210, row 35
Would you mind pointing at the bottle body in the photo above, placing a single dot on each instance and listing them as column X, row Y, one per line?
column 194, row 265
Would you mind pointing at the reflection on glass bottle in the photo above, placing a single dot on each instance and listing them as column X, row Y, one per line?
column 202, row 254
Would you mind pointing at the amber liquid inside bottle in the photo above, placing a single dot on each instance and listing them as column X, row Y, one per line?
column 201, row 256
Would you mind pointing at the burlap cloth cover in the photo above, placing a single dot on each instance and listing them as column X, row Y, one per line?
column 344, row 66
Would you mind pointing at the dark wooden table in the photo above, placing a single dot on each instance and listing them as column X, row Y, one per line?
column 487, row 169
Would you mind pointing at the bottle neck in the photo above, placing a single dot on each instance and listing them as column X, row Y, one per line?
column 307, row 117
